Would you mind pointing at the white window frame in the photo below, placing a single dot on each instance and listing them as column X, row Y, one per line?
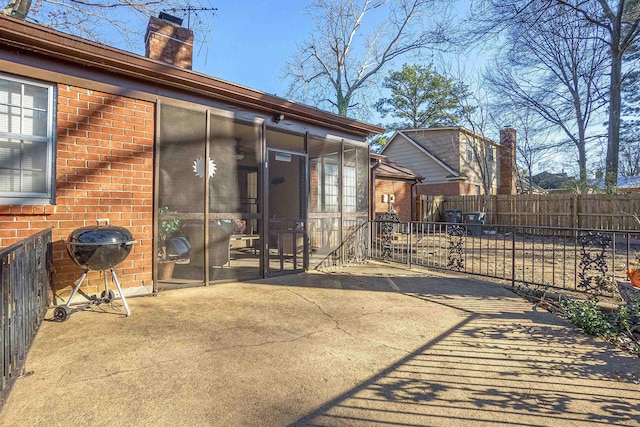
column 349, row 189
column 490, row 153
column 328, row 192
column 48, row 196
column 470, row 150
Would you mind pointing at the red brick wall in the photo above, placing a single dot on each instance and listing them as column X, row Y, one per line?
column 313, row 193
column 104, row 169
column 402, row 191
column 507, row 153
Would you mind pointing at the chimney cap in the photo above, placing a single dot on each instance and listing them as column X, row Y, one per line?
column 170, row 18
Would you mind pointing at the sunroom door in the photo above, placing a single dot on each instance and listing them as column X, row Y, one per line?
column 286, row 195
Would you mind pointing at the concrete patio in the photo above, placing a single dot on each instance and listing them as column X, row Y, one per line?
column 368, row 345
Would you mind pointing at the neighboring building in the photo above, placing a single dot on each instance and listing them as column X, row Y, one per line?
column 88, row 131
column 554, row 182
column 455, row 160
column 526, row 186
column 393, row 189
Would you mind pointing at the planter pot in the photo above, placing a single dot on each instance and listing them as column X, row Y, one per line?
column 165, row 269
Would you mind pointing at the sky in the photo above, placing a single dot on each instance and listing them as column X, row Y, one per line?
column 250, row 41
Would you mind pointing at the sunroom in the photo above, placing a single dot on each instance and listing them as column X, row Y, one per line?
column 216, row 181
column 239, row 197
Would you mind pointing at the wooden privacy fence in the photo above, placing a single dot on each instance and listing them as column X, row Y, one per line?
column 591, row 211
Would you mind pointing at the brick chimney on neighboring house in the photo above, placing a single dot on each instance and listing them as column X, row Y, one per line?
column 507, row 161
column 169, row 42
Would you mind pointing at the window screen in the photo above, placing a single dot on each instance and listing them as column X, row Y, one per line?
column 26, row 138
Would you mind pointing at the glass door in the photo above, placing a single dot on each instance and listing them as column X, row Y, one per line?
column 286, row 196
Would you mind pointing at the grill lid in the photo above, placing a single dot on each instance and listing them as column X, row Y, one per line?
column 98, row 235
column 99, row 247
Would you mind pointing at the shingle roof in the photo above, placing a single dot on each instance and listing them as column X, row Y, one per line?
column 385, row 168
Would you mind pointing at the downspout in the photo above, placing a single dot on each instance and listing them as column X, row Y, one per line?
column 414, row 211
column 372, row 195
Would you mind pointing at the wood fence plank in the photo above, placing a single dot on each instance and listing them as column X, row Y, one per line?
column 588, row 211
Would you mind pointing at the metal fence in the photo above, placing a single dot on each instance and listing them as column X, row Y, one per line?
column 354, row 249
column 24, row 280
column 586, row 261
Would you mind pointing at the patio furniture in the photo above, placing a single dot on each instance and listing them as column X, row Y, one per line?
column 248, row 240
column 219, row 241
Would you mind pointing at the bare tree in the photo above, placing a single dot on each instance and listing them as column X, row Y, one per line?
column 554, row 66
column 619, row 23
column 532, row 144
column 17, row 8
column 629, row 161
column 630, row 158
column 353, row 40
column 620, row 19
column 480, row 156
column 99, row 20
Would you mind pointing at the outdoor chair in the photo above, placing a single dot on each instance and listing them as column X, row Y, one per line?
column 219, row 244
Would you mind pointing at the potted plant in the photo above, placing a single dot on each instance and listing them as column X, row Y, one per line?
column 167, row 228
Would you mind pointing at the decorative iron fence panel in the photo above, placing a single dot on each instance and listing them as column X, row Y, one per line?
column 353, row 250
column 588, row 261
column 24, row 281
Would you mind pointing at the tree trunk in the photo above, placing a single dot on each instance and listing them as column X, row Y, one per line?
column 613, row 143
column 343, row 105
column 18, row 8
column 582, row 162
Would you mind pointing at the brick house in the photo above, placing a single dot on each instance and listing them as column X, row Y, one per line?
column 394, row 188
column 88, row 131
column 455, row 161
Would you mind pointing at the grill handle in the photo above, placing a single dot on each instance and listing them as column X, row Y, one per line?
column 107, row 221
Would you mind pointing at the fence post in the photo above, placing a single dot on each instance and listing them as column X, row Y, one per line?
column 576, row 218
column 409, row 244
column 513, row 256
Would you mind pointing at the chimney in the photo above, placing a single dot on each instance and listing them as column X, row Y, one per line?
column 507, row 161
column 167, row 41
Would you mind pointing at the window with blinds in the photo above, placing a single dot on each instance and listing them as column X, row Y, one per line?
column 26, row 139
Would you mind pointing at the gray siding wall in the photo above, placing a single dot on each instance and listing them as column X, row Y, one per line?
column 448, row 145
column 405, row 153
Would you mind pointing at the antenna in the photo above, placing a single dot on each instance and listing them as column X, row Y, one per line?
column 190, row 9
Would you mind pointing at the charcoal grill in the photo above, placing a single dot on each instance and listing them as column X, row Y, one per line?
column 98, row 247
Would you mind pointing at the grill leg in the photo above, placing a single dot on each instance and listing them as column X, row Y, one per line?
column 124, row 301
column 75, row 290
column 106, row 287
